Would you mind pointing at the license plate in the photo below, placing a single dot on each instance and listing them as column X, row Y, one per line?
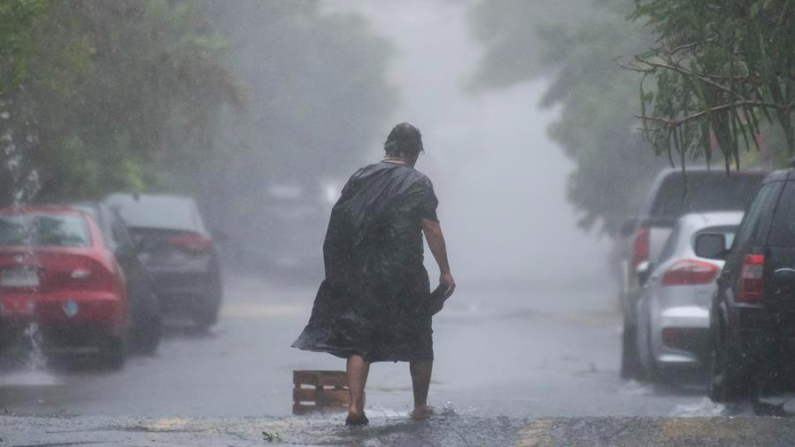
column 19, row 278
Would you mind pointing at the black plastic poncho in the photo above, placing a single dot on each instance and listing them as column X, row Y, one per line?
column 369, row 304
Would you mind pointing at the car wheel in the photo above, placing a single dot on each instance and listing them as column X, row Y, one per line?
column 726, row 378
column 653, row 371
column 114, row 352
column 207, row 314
column 148, row 334
column 630, row 366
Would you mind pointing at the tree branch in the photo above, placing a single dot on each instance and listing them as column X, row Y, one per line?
column 667, row 122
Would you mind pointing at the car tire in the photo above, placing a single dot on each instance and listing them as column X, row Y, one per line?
column 727, row 383
column 630, row 366
column 207, row 317
column 148, row 334
column 207, row 314
column 653, row 372
column 114, row 352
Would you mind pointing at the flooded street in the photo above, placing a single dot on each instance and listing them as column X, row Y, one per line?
column 503, row 348
column 527, row 364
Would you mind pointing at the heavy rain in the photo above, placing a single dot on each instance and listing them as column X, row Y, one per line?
column 405, row 223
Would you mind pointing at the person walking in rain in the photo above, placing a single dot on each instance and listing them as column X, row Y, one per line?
column 370, row 306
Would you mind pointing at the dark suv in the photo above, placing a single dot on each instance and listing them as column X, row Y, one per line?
column 672, row 195
column 752, row 319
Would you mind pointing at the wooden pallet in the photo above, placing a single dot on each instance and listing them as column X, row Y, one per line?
column 320, row 391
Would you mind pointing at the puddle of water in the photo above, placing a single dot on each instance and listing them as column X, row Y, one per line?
column 29, row 379
column 635, row 388
column 36, row 360
column 702, row 408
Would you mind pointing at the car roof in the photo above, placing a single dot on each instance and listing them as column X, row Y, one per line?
column 697, row 221
column 668, row 181
column 159, row 211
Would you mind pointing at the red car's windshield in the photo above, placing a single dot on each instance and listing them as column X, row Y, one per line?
column 44, row 230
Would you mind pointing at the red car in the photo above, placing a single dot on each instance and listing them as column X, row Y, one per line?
column 56, row 271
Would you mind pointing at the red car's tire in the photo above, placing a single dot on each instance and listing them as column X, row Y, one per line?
column 114, row 353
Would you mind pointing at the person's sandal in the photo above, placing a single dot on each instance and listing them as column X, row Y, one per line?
column 360, row 421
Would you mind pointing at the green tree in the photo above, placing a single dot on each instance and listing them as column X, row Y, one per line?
column 99, row 89
column 719, row 70
column 596, row 128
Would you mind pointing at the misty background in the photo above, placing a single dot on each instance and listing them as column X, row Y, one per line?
column 500, row 179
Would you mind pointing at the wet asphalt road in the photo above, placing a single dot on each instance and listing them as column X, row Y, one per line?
column 516, row 364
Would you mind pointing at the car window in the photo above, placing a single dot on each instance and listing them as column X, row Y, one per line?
column 151, row 211
column 750, row 228
column 782, row 230
column 118, row 231
column 707, row 191
column 44, row 230
column 729, row 233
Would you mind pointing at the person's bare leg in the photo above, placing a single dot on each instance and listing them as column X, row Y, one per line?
column 357, row 371
column 421, row 382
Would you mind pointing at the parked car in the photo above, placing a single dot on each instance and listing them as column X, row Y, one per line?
column 672, row 195
column 673, row 310
column 146, row 314
column 752, row 321
column 177, row 249
column 57, row 272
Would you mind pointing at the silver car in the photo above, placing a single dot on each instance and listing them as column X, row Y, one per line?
column 673, row 311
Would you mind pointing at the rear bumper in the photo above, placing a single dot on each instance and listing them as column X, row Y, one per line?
column 64, row 318
column 681, row 336
column 184, row 283
column 182, row 292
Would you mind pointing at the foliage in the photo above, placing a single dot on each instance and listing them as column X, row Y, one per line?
column 106, row 86
column 210, row 97
column 721, row 70
column 16, row 24
column 596, row 128
column 509, row 31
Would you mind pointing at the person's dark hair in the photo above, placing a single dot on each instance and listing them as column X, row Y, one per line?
column 405, row 140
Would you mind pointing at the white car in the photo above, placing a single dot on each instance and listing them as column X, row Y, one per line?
column 673, row 311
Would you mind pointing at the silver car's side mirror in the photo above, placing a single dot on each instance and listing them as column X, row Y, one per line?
column 711, row 246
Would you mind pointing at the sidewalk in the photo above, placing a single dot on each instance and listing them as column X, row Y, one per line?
column 443, row 430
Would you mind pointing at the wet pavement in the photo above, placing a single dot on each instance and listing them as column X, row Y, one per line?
column 516, row 364
column 447, row 430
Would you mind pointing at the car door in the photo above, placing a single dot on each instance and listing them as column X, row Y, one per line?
column 139, row 287
column 779, row 271
column 647, row 305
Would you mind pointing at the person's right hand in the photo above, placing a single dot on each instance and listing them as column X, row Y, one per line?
column 446, row 279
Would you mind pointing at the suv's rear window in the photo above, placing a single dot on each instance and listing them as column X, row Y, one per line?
column 44, row 230
column 164, row 212
column 703, row 192
column 782, row 230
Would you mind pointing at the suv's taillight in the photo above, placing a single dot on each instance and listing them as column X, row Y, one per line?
column 690, row 272
column 195, row 243
column 640, row 247
column 751, row 283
